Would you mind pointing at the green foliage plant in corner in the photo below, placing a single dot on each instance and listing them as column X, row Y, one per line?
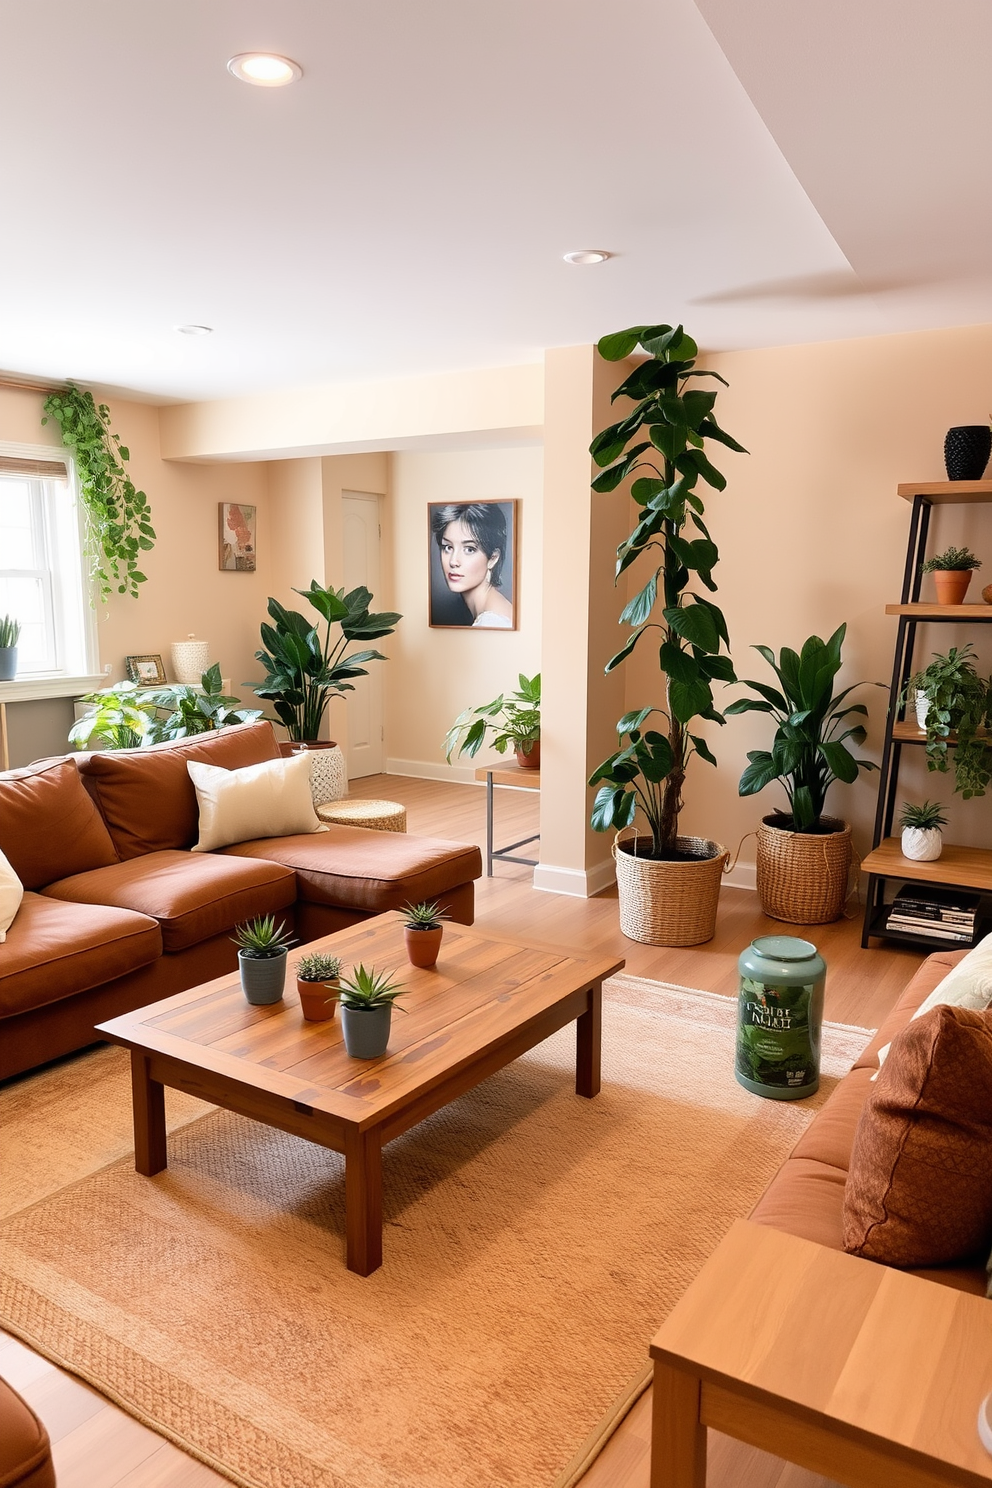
column 647, row 772
column 512, row 719
column 118, row 516
column 959, row 713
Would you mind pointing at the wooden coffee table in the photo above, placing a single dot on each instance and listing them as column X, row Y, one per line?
column 489, row 1000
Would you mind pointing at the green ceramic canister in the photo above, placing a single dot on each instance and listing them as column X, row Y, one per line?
column 779, row 1017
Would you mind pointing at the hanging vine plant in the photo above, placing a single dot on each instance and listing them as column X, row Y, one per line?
column 118, row 525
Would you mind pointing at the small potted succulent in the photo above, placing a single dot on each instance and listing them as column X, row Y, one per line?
column 921, row 839
column 366, row 999
column 423, row 929
column 10, row 630
column 952, row 572
column 316, row 980
column 262, row 949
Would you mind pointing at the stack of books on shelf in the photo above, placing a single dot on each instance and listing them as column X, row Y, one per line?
column 934, row 914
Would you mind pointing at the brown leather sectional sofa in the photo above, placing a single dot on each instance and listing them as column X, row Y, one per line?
column 806, row 1196
column 117, row 911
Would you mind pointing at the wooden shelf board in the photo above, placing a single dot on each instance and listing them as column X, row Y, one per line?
column 974, row 614
column 948, row 493
column 962, row 867
column 510, row 775
column 908, row 733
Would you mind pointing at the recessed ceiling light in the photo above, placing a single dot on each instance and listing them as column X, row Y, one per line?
column 264, row 69
column 195, row 330
column 587, row 256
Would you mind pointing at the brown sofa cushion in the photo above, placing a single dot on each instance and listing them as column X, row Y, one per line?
column 368, row 871
column 146, row 796
column 191, row 897
column 919, row 1190
column 25, row 1451
column 49, row 827
column 54, row 950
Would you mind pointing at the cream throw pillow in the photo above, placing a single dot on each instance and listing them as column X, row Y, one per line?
column 267, row 800
column 11, row 894
column 967, row 985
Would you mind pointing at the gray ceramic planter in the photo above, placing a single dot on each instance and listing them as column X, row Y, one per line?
column 263, row 978
column 366, row 1031
column 8, row 663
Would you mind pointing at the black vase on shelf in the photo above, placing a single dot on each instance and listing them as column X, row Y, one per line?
column 966, row 451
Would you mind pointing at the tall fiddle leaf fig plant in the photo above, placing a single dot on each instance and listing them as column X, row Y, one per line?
column 117, row 514
column 647, row 772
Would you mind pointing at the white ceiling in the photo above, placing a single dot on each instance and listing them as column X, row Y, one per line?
column 798, row 172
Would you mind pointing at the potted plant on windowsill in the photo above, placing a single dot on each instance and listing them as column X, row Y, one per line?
column 262, row 950
column 512, row 719
column 423, row 928
column 921, row 826
column 957, row 716
column 668, row 884
column 10, row 630
column 317, row 983
column 952, row 572
column 803, row 856
column 367, row 999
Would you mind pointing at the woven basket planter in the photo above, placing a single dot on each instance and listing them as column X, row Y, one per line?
column 668, row 904
column 802, row 876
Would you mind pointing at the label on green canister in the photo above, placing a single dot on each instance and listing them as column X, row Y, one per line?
column 777, row 1046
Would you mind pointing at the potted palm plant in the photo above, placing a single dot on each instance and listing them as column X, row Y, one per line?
column 423, row 927
column 305, row 666
column 262, row 950
column 316, row 982
column 803, row 856
column 511, row 719
column 367, row 999
column 668, row 884
column 10, row 630
column 952, row 572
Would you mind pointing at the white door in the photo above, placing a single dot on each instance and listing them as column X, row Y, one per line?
column 360, row 514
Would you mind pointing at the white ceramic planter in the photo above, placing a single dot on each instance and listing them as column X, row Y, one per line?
column 922, row 708
column 922, row 844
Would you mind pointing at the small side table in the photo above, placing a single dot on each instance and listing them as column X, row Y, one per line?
column 517, row 779
column 381, row 816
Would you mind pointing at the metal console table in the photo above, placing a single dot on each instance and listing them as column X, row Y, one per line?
column 517, row 779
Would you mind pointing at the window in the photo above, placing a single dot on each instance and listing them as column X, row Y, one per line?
column 41, row 570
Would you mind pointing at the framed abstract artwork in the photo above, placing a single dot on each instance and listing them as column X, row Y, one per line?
column 472, row 558
column 237, row 537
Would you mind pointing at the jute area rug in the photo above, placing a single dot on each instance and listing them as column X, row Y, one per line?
column 534, row 1241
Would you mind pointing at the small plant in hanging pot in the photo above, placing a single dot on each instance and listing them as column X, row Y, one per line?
column 10, row 630
column 952, row 572
column 317, row 983
column 423, row 929
column 367, row 999
column 262, row 949
column 921, row 827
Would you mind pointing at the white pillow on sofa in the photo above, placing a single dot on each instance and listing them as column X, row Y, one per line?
column 11, row 894
column 267, row 800
column 967, row 985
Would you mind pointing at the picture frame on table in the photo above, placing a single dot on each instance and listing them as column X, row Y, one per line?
column 237, row 541
column 147, row 671
column 472, row 564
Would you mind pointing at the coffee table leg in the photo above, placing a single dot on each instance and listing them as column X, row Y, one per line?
column 588, row 1039
column 148, row 1103
column 363, row 1200
column 678, row 1439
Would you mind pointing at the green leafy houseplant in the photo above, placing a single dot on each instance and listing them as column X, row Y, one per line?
column 512, row 719
column 810, row 749
column 118, row 516
column 318, row 967
column 10, row 630
column 121, row 719
column 925, row 818
column 304, row 669
column 261, row 939
column 127, row 716
column 959, row 708
column 648, row 771
column 952, row 560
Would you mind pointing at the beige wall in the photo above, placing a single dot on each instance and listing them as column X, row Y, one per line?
column 812, row 533
column 434, row 674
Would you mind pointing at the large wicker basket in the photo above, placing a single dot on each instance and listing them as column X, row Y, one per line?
column 802, row 876
column 668, row 904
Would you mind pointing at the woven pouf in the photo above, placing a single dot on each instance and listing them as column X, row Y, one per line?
column 382, row 816
column 665, row 903
column 802, row 876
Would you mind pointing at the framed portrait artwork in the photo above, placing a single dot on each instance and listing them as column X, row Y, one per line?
column 147, row 671
column 237, row 537
column 472, row 557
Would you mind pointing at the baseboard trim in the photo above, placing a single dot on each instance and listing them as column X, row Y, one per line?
column 428, row 770
column 743, row 876
column 580, row 883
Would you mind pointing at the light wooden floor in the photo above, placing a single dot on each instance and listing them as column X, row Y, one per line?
column 98, row 1446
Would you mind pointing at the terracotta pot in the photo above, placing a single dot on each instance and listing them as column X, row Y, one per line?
column 289, row 747
column 316, row 1001
column 952, row 584
column 422, row 946
column 530, row 761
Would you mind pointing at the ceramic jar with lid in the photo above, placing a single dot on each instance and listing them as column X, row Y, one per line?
column 779, row 1017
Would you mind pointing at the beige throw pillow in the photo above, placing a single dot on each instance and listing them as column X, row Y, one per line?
column 11, row 894
column 267, row 800
column 967, row 985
